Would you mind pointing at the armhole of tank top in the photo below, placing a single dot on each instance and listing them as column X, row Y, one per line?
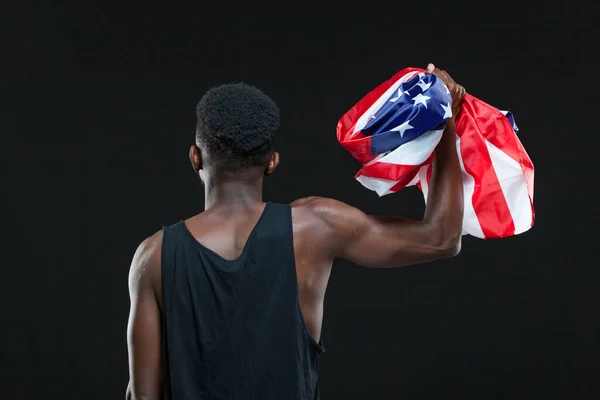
column 162, row 272
column 318, row 347
column 165, row 367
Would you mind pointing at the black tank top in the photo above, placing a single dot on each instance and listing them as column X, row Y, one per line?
column 233, row 329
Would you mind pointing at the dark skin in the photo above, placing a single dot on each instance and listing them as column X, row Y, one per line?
column 324, row 229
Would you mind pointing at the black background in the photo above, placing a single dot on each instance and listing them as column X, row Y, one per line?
column 96, row 119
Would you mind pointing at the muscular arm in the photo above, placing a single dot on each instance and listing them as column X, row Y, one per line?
column 144, row 325
column 374, row 241
column 339, row 230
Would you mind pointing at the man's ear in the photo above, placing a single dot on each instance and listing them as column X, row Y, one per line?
column 196, row 158
column 272, row 164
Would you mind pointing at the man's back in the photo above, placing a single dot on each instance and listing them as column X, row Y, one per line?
column 232, row 324
column 226, row 231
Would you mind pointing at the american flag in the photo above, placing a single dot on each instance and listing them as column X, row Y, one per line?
column 394, row 130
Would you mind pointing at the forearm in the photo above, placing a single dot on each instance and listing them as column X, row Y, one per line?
column 444, row 209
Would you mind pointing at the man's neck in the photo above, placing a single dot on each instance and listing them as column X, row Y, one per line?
column 232, row 192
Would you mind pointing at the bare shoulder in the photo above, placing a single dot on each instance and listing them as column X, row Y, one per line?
column 327, row 210
column 326, row 222
column 145, row 267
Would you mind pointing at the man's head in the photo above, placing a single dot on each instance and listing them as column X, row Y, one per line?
column 235, row 131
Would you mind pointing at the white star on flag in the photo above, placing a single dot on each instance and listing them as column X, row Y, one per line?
column 424, row 86
column 402, row 128
column 420, row 98
column 447, row 110
column 398, row 95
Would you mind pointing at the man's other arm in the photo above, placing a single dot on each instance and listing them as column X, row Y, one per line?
column 144, row 325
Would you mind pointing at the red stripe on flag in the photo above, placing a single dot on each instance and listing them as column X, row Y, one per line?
column 429, row 172
column 404, row 181
column 392, row 172
column 360, row 148
column 499, row 132
column 503, row 137
column 488, row 199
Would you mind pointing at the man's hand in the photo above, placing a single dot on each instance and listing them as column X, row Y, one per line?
column 456, row 91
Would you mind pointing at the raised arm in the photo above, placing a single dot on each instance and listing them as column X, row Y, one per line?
column 144, row 326
column 375, row 241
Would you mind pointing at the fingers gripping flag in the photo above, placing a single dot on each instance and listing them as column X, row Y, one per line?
column 394, row 130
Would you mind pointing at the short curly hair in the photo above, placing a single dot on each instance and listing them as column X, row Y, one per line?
column 236, row 125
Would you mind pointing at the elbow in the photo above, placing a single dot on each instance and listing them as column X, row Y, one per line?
column 452, row 247
column 445, row 240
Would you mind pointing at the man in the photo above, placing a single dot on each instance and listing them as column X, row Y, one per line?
column 229, row 303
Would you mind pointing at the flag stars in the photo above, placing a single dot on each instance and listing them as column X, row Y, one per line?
column 447, row 110
column 402, row 128
column 421, row 99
